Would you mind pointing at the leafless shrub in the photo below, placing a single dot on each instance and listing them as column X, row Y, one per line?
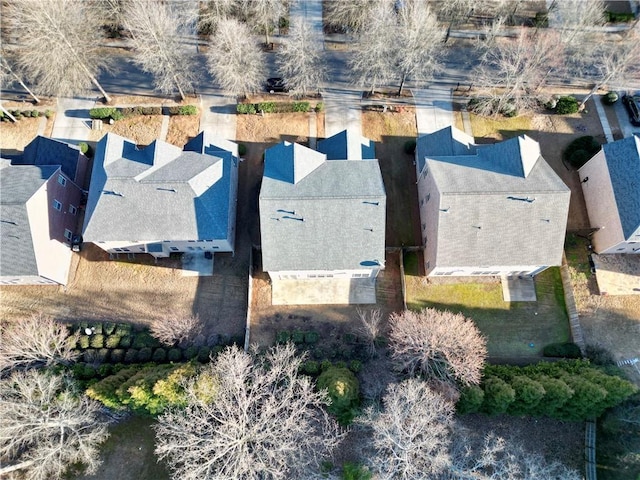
column 177, row 330
column 37, row 340
column 46, row 426
column 441, row 345
column 256, row 418
column 370, row 327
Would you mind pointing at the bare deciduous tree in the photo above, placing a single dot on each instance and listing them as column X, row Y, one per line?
column 177, row 329
column 265, row 14
column 370, row 327
column 8, row 75
column 489, row 457
column 259, row 419
column 46, row 426
column 441, row 345
column 235, row 58
column 452, row 12
column 37, row 340
column 155, row 36
column 300, row 60
column 372, row 63
column 410, row 437
column 575, row 19
column 513, row 70
column 354, row 15
column 59, row 44
column 211, row 12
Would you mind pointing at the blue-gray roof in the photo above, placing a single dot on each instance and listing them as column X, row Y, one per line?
column 446, row 142
column 159, row 193
column 500, row 204
column 330, row 215
column 623, row 162
column 17, row 186
column 347, row 145
column 47, row 151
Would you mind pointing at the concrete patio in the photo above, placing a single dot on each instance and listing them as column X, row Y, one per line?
column 324, row 291
column 518, row 289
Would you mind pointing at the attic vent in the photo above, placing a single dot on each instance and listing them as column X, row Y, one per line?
column 293, row 218
column 525, row 199
column 167, row 189
column 371, row 203
column 113, row 192
column 445, row 210
column 290, row 212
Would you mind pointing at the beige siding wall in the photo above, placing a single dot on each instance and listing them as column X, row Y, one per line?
column 601, row 205
column 301, row 274
column 137, row 246
column 509, row 270
column 429, row 202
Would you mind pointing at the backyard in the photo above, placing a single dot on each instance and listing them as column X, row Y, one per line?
column 514, row 330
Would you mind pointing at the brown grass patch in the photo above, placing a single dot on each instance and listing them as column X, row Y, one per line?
column 377, row 125
column 142, row 129
column 183, row 128
column 134, row 100
column 15, row 136
column 273, row 128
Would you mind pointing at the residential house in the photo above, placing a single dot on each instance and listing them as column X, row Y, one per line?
column 40, row 199
column 488, row 209
column 611, row 187
column 322, row 221
column 163, row 199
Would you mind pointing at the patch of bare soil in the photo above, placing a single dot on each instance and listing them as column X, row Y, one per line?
column 16, row 136
column 142, row 129
column 183, row 128
column 134, row 100
column 398, row 123
column 273, row 128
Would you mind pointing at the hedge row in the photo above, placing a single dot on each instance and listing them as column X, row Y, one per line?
column 313, row 367
column 146, row 388
column 297, row 336
column 19, row 114
column 97, row 356
column 276, row 107
column 120, row 113
column 567, row 390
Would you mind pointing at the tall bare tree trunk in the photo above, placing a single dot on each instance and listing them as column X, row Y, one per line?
column 35, row 99
column 403, row 79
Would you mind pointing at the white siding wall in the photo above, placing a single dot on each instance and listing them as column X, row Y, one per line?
column 512, row 270
column 136, row 246
column 30, row 280
column 601, row 205
column 300, row 274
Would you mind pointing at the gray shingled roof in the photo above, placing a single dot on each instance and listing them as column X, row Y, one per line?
column 623, row 162
column 491, row 213
column 17, row 186
column 446, row 142
column 347, row 145
column 157, row 193
column 47, row 151
column 331, row 219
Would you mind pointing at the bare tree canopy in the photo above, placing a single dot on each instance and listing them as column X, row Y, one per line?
column 59, row 44
column 441, row 345
column 177, row 330
column 155, row 36
column 575, row 19
column 235, row 58
column 211, row 12
column 353, row 15
column 370, row 327
column 410, row 437
column 37, row 340
column 512, row 70
column 300, row 60
column 265, row 14
column 257, row 418
column 46, row 426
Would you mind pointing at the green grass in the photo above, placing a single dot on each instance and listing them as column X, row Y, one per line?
column 510, row 327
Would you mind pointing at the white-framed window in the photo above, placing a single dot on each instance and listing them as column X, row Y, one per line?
column 62, row 181
column 73, row 210
column 57, row 205
column 68, row 234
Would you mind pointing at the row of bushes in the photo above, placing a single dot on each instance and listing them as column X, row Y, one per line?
column 120, row 113
column 276, row 107
column 562, row 350
column 580, row 151
column 97, row 356
column 19, row 114
column 146, row 388
column 314, row 367
column 297, row 336
column 567, row 390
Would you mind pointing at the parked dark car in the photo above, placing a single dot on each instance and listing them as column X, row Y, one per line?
column 632, row 105
column 276, row 84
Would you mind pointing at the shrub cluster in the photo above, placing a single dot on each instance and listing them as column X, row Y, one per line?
column 566, row 105
column 344, row 390
column 19, row 114
column 102, row 113
column 183, row 110
column 564, row 350
column 297, row 336
column 567, row 390
column 580, row 151
column 610, row 98
column 147, row 388
column 276, row 107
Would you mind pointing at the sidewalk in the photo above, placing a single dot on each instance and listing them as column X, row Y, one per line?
column 342, row 111
column 219, row 115
column 434, row 108
column 72, row 123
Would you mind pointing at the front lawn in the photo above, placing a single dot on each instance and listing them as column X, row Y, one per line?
column 513, row 329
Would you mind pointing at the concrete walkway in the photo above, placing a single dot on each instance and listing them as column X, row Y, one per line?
column 311, row 12
column 196, row 265
column 219, row 115
column 606, row 128
column 72, row 123
column 342, row 111
column 434, row 109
